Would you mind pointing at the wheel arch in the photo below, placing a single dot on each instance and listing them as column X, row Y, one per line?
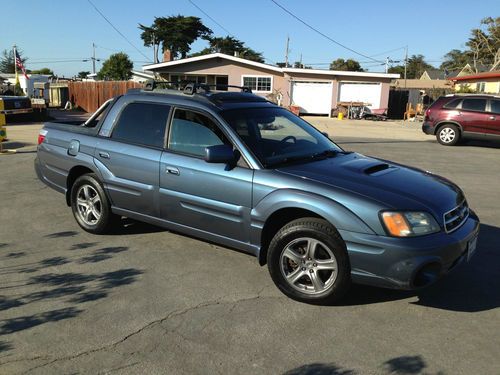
column 439, row 125
column 74, row 173
column 282, row 207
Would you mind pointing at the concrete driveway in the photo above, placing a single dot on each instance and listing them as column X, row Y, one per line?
column 147, row 301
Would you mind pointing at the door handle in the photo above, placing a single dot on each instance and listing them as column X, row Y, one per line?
column 492, row 117
column 103, row 155
column 173, row 170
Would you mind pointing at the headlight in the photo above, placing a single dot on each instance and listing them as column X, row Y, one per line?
column 409, row 224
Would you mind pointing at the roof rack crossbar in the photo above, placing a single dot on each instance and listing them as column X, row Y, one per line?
column 190, row 88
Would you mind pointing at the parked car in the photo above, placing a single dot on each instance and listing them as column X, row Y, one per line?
column 452, row 118
column 235, row 169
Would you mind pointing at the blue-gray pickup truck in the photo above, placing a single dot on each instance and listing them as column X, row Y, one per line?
column 235, row 169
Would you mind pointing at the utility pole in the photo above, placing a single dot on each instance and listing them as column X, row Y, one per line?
column 286, row 51
column 300, row 62
column 406, row 62
column 387, row 64
column 93, row 58
column 155, row 57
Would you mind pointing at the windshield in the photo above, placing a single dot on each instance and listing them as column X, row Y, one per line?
column 276, row 136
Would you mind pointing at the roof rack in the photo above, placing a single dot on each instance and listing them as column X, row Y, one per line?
column 190, row 88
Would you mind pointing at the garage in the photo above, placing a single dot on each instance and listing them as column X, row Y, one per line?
column 313, row 97
column 365, row 92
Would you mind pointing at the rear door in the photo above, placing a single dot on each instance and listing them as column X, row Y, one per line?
column 493, row 124
column 129, row 159
column 473, row 115
column 212, row 197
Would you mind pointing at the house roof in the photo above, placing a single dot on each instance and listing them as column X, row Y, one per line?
column 142, row 74
column 477, row 77
column 340, row 73
column 188, row 60
column 207, row 57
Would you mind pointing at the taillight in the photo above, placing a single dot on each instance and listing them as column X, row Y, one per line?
column 427, row 114
column 41, row 136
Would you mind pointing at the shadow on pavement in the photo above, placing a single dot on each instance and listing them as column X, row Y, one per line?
column 472, row 287
column 319, row 369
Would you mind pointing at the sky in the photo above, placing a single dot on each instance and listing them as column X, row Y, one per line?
column 59, row 34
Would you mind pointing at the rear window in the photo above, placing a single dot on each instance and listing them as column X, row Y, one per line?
column 142, row 123
column 474, row 105
column 453, row 104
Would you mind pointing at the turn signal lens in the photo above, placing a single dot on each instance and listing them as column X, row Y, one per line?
column 396, row 224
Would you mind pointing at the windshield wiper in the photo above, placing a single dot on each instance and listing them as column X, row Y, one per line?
column 305, row 158
column 325, row 154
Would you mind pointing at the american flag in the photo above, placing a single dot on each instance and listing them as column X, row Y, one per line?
column 20, row 65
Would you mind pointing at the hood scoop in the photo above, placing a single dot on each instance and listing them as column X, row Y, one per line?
column 370, row 167
column 376, row 169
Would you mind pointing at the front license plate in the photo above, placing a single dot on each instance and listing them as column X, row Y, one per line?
column 471, row 247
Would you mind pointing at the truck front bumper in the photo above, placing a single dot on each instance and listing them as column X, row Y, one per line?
column 409, row 263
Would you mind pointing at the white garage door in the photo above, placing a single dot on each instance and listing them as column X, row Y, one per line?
column 361, row 92
column 312, row 97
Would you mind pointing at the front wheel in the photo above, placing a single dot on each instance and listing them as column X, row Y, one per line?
column 90, row 205
column 308, row 261
column 448, row 135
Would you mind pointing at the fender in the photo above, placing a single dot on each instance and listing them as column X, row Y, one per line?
column 335, row 213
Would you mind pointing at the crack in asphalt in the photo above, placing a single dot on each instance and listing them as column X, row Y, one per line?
column 173, row 314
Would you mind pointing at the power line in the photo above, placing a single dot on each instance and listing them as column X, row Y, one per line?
column 222, row 27
column 392, row 50
column 206, row 14
column 322, row 34
column 118, row 31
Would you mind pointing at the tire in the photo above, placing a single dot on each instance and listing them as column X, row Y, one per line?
column 448, row 135
column 320, row 276
column 90, row 205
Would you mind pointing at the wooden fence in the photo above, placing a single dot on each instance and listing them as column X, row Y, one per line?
column 91, row 95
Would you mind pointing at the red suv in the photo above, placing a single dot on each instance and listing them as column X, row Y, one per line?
column 452, row 118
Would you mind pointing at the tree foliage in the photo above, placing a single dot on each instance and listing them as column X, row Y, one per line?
column 484, row 44
column 117, row 67
column 174, row 33
column 455, row 59
column 45, row 71
column 349, row 65
column 83, row 74
column 229, row 46
column 7, row 60
column 415, row 67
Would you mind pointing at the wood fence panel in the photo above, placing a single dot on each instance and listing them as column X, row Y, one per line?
column 91, row 95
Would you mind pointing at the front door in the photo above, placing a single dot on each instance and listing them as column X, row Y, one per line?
column 211, row 197
column 129, row 160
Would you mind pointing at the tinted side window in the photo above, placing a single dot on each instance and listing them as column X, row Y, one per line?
column 142, row 123
column 453, row 104
column 191, row 132
column 495, row 106
column 474, row 104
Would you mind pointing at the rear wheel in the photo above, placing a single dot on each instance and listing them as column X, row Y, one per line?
column 448, row 135
column 308, row 261
column 90, row 205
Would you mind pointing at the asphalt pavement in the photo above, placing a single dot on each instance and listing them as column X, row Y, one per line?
column 148, row 301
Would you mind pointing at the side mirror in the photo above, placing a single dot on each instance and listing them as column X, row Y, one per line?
column 219, row 154
column 325, row 134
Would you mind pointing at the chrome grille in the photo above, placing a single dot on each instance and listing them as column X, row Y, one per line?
column 453, row 219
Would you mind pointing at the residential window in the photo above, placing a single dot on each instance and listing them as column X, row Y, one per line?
column 196, row 79
column 191, row 132
column 474, row 105
column 258, row 83
column 142, row 123
column 480, row 86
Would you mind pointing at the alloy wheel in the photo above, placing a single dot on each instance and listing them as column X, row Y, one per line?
column 89, row 206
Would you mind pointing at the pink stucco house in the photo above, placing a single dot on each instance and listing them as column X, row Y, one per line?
column 314, row 91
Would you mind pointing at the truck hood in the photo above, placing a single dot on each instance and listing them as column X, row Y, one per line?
column 393, row 185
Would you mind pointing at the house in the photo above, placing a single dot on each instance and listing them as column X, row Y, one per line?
column 141, row 77
column 314, row 91
column 27, row 85
column 484, row 83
